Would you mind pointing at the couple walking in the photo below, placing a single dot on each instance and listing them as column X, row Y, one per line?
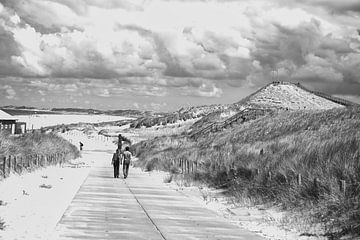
column 124, row 158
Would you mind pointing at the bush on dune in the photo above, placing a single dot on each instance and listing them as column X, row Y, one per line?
column 36, row 143
column 323, row 147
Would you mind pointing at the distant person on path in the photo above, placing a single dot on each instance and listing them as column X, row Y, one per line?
column 81, row 146
column 116, row 163
column 127, row 159
column 121, row 139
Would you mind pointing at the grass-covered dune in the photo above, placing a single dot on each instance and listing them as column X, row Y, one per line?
column 262, row 160
column 36, row 143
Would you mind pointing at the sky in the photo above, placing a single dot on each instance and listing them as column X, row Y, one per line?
column 165, row 54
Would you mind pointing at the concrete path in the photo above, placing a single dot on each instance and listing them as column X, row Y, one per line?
column 139, row 208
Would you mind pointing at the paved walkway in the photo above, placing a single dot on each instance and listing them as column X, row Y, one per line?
column 137, row 208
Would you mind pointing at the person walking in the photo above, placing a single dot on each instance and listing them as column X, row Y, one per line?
column 116, row 163
column 126, row 163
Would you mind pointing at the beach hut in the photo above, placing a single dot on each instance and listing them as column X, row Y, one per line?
column 10, row 124
column 7, row 122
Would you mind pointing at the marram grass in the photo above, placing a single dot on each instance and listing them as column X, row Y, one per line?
column 267, row 156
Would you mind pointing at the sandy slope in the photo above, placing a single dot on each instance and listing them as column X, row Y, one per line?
column 290, row 96
column 269, row 223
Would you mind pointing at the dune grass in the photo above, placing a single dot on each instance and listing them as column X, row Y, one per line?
column 261, row 160
column 36, row 143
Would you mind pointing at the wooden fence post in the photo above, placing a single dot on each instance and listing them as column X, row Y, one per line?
column 4, row 167
column 286, row 179
column 9, row 165
column 22, row 163
column 19, row 164
column 15, row 165
column 298, row 179
column 342, row 186
column 316, row 183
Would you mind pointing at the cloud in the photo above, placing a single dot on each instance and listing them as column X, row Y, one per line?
column 8, row 92
column 204, row 90
column 338, row 6
column 102, row 92
column 350, row 66
column 136, row 105
column 157, row 106
column 317, row 73
column 287, row 44
column 340, row 46
column 151, row 48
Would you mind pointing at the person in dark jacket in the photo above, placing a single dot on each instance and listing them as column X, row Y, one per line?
column 122, row 139
column 126, row 162
column 116, row 160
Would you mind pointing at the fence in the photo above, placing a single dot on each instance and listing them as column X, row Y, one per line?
column 186, row 166
column 19, row 164
column 296, row 179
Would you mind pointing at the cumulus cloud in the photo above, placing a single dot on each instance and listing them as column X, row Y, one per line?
column 149, row 48
column 8, row 92
column 157, row 106
column 338, row 6
column 204, row 90
column 316, row 73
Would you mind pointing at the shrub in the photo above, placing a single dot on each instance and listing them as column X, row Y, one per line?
column 168, row 178
column 2, row 224
column 151, row 165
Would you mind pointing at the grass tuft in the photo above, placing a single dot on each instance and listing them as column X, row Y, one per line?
column 168, row 178
column 2, row 224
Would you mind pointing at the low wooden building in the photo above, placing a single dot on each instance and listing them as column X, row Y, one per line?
column 9, row 123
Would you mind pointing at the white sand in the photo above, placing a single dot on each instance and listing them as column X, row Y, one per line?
column 44, row 120
column 268, row 223
column 292, row 97
column 31, row 211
